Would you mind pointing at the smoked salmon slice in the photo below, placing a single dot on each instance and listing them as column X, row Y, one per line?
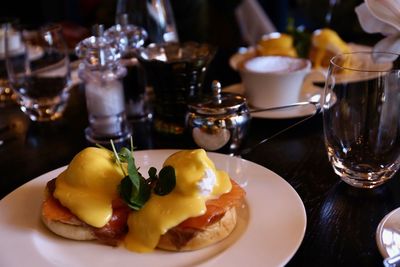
column 216, row 208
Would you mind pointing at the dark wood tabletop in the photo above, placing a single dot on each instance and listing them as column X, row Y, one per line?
column 341, row 220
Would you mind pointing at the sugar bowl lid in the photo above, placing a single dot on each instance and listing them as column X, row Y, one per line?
column 221, row 103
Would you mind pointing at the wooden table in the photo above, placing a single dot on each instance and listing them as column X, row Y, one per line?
column 341, row 220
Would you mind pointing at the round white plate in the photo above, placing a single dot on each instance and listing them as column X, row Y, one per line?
column 270, row 227
column 307, row 91
column 246, row 53
column 388, row 234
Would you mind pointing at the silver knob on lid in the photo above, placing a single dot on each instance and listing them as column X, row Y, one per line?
column 216, row 89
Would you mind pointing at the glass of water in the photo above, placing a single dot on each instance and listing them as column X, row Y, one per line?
column 38, row 71
column 7, row 95
column 155, row 16
column 361, row 117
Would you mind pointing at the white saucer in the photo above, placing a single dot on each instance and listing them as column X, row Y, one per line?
column 306, row 93
column 388, row 234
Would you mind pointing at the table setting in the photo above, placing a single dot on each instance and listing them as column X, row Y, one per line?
column 309, row 141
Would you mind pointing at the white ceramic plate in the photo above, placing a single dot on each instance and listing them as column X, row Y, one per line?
column 244, row 54
column 270, row 227
column 307, row 91
column 388, row 234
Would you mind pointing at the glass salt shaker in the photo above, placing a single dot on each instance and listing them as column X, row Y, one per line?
column 129, row 38
column 219, row 123
column 102, row 74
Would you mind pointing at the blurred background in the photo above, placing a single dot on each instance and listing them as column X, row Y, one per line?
column 198, row 20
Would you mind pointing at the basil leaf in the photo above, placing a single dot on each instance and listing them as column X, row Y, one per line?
column 166, row 181
column 135, row 199
column 152, row 174
column 126, row 155
column 134, row 189
column 125, row 190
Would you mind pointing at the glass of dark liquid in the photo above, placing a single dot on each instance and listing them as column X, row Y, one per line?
column 176, row 73
column 38, row 71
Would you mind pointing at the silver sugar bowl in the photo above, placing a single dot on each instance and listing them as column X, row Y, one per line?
column 219, row 123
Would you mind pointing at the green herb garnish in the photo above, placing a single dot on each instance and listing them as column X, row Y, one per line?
column 301, row 38
column 134, row 189
column 166, row 181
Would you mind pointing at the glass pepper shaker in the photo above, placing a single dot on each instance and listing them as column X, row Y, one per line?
column 130, row 38
column 219, row 123
column 102, row 74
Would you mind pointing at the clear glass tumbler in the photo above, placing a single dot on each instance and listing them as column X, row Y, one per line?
column 7, row 95
column 176, row 72
column 155, row 16
column 38, row 71
column 361, row 117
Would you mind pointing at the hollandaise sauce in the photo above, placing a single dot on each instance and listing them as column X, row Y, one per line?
column 327, row 40
column 89, row 185
column 195, row 174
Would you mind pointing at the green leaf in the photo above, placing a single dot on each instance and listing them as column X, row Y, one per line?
column 126, row 156
column 134, row 198
column 152, row 174
column 166, row 181
column 134, row 189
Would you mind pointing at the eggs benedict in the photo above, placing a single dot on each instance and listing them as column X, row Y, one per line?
column 276, row 44
column 84, row 203
column 326, row 43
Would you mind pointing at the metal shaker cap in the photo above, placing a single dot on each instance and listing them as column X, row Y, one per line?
column 221, row 103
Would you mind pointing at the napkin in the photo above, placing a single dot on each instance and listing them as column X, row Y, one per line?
column 381, row 16
column 253, row 21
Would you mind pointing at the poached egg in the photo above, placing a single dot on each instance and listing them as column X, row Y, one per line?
column 326, row 40
column 197, row 180
column 90, row 184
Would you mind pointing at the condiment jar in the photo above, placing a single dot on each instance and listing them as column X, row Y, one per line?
column 220, row 123
column 130, row 38
column 101, row 72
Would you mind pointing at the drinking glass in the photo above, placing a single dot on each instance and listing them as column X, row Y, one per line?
column 38, row 71
column 361, row 117
column 155, row 16
column 176, row 72
column 7, row 95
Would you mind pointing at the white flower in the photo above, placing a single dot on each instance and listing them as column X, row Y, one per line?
column 381, row 16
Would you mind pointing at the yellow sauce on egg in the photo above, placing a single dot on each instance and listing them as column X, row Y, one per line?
column 161, row 213
column 327, row 40
column 276, row 44
column 89, row 185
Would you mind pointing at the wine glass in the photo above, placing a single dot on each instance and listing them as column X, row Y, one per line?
column 38, row 71
column 361, row 117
